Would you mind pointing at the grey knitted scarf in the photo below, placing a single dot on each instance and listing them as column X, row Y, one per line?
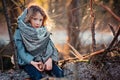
column 36, row 41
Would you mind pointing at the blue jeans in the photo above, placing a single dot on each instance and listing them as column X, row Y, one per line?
column 37, row 75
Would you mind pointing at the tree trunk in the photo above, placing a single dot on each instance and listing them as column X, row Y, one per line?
column 74, row 24
column 73, row 27
column 11, row 18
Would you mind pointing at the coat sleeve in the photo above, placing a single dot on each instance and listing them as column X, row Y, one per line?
column 54, row 56
column 21, row 51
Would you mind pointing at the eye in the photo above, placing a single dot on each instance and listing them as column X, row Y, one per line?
column 34, row 18
column 41, row 19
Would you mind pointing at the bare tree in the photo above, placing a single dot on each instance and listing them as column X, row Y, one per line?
column 74, row 24
column 9, row 29
column 12, row 9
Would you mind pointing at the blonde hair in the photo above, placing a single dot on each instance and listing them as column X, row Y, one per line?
column 32, row 10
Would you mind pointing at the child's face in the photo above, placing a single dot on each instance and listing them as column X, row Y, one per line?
column 36, row 20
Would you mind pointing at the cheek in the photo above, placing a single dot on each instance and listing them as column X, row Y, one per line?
column 42, row 22
column 32, row 23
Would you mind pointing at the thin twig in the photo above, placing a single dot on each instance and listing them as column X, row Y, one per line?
column 72, row 10
column 94, row 53
column 66, row 60
column 105, row 50
column 92, row 27
column 114, row 39
column 110, row 11
column 112, row 29
column 76, row 52
column 15, row 3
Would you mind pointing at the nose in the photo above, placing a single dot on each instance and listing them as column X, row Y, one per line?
column 37, row 23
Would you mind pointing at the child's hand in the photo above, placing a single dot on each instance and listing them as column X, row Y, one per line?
column 41, row 66
column 48, row 64
column 37, row 65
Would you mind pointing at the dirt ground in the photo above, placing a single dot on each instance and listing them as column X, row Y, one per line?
column 109, row 70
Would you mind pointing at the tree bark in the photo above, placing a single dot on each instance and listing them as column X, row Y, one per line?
column 73, row 30
column 10, row 31
column 74, row 24
column 92, row 26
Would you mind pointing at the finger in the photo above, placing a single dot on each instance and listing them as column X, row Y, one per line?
column 40, row 62
column 39, row 68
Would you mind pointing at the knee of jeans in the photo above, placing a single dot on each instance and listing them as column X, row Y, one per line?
column 37, row 76
column 60, row 74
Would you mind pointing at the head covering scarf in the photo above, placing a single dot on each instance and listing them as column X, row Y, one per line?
column 37, row 41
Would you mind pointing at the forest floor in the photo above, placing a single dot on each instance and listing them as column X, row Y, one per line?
column 96, row 70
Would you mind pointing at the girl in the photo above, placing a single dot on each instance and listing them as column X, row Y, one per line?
column 36, row 51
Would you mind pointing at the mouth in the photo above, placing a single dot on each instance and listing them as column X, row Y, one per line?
column 37, row 26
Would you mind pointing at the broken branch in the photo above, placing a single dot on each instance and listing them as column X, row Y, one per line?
column 76, row 52
column 94, row 53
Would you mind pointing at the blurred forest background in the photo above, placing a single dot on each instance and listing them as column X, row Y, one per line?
column 79, row 27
